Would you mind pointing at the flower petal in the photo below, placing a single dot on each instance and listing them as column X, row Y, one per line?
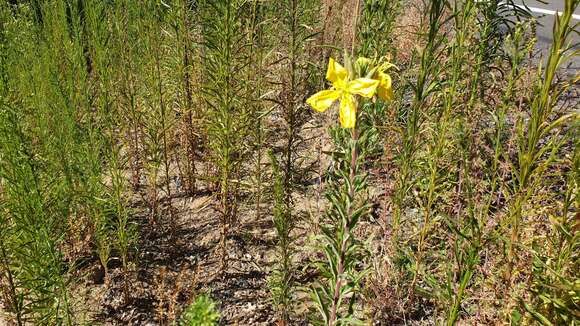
column 385, row 80
column 347, row 111
column 336, row 72
column 323, row 99
column 385, row 94
column 365, row 87
column 385, row 90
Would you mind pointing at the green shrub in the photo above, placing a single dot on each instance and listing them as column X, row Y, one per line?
column 202, row 312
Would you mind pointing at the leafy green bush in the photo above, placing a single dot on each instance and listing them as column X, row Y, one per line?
column 202, row 312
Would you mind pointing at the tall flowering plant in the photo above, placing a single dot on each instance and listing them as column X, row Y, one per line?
column 335, row 294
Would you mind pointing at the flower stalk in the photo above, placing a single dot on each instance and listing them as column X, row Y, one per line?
column 344, row 245
column 336, row 295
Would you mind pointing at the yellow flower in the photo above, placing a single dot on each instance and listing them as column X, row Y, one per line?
column 344, row 90
column 385, row 90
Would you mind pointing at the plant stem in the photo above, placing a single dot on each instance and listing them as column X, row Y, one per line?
column 346, row 233
column 354, row 25
column 191, row 142
column 11, row 285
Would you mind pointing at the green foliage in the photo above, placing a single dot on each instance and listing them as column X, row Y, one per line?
column 282, row 281
column 43, row 166
column 202, row 312
column 535, row 157
column 376, row 27
column 335, row 295
column 292, row 23
column 412, row 117
column 225, row 59
column 555, row 287
column 342, row 270
column 112, row 111
column 294, row 19
column 259, row 47
column 451, row 210
column 54, row 134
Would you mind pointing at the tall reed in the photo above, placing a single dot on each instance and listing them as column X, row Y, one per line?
column 282, row 281
column 439, row 142
column 539, row 139
column 185, row 37
column 33, row 225
column 535, row 157
column 424, row 86
column 259, row 47
column 224, row 60
column 554, row 291
column 375, row 31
